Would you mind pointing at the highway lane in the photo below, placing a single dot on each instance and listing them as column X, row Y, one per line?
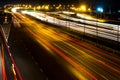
column 49, row 65
column 81, row 60
column 25, row 62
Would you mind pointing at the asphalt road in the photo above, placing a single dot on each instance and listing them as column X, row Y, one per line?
column 33, row 65
column 58, row 55
column 28, row 67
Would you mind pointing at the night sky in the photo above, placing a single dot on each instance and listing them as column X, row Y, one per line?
column 2, row 2
column 105, row 3
column 38, row 1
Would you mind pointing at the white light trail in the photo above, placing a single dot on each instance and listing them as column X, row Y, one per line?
column 110, row 33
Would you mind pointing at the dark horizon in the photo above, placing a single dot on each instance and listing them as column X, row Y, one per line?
column 94, row 3
column 3, row 2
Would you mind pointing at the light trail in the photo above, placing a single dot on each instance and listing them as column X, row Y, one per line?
column 105, row 30
column 84, row 61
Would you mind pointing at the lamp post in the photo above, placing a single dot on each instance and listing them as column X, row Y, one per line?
column 83, row 8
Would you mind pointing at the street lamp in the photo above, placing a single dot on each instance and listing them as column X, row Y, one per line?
column 100, row 9
column 89, row 10
column 47, row 7
column 38, row 7
column 83, row 8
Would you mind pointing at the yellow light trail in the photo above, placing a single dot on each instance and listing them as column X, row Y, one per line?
column 87, row 61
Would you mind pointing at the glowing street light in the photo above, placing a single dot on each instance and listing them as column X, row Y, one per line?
column 47, row 7
column 100, row 9
column 82, row 8
column 38, row 7
column 89, row 10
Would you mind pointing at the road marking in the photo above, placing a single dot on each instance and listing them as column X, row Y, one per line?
column 41, row 70
column 46, row 78
column 32, row 58
column 36, row 63
column 10, row 54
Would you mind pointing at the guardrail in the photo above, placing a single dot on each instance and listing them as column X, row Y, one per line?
column 110, row 31
column 10, row 70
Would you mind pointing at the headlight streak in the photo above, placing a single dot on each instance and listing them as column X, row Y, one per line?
column 88, row 61
column 109, row 31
